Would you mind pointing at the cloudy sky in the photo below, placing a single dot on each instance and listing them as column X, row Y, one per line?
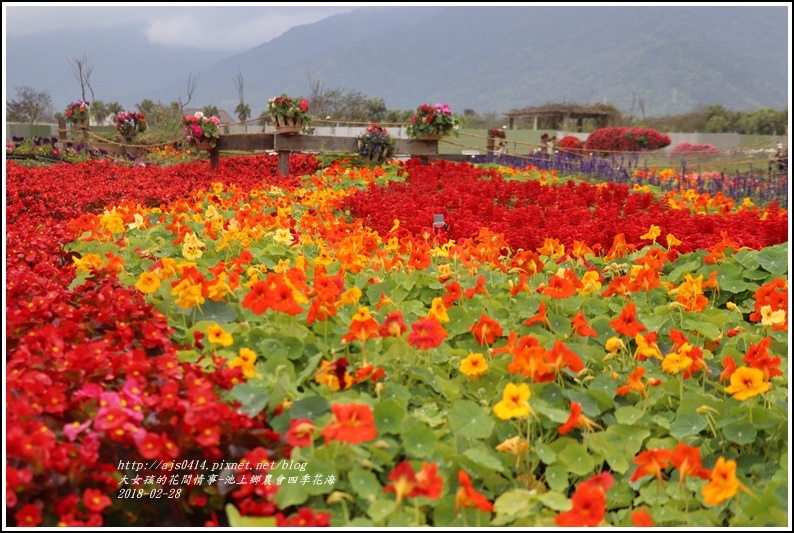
column 228, row 26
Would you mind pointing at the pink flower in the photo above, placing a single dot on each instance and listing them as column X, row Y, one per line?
column 304, row 105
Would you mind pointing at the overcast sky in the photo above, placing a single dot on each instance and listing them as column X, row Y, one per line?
column 229, row 26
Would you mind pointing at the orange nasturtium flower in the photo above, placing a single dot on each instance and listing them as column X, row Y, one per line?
column 641, row 518
column 747, row 382
column 579, row 325
column 626, row 323
column 651, row 462
column 426, row 333
column 148, row 282
column 467, row 496
column 353, row 423
column 362, row 327
column 577, row 420
column 540, row 317
column 636, row 384
column 514, row 402
column 486, row 330
column 474, row 365
column 589, row 503
column 687, row 460
column 217, row 335
column 406, row 483
column 724, row 484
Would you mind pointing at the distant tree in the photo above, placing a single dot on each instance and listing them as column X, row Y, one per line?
column 114, row 109
column 99, row 110
column 30, row 106
column 191, row 88
column 376, row 109
column 210, row 111
column 243, row 110
column 157, row 112
column 148, row 108
column 82, row 69
column 764, row 122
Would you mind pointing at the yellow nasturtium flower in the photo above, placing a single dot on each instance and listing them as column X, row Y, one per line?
column 514, row 402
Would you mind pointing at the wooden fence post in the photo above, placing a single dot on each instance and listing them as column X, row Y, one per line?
column 61, row 128
column 283, row 162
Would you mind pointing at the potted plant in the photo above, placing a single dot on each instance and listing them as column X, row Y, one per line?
column 289, row 114
column 77, row 114
column 202, row 131
column 130, row 123
column 433, row 122
column 375, row 145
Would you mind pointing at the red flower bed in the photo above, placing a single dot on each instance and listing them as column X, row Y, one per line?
column 528, row 212
column 94, row 388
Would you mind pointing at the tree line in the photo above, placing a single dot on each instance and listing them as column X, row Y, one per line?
column 32, row 106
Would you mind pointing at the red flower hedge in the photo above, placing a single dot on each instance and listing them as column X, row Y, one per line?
column 625, row 140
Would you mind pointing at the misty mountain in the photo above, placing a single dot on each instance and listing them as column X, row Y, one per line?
column 658, row 60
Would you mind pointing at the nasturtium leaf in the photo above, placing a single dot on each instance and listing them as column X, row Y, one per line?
column 378, row 510
column 774, row 259
column 708, row 330
column 389, row 416
column 687, row 425
column 365, row 484
column 544, row 453
column 419, row 441
column 677, row 275
column 237, row 520
column 467, row 419
column 557, row 478
column 219, row 312
column 310, row 407
column 460, row 321
column 449, row 389
column 429, row 414
column 312, row 364
column 513, row 504
column 485, row 458
column 252, row 398
column 575, row 458
column 293, row 347
column 740, row 432
column 555, row 501
column 628, row 415
column 626, row 439
column 557, row 415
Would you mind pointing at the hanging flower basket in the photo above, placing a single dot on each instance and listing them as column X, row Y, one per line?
column 290, row 115
column 288, row 125
column 202, row 143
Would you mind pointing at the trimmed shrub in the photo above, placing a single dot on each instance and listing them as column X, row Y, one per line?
column 689, row 147
column 571, row 144
column 626, row 140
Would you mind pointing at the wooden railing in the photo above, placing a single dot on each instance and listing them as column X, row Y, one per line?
column 284, row 144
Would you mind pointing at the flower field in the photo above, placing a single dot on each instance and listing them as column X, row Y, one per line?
column 240, row 348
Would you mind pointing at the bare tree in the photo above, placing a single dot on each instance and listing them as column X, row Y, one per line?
column 30, row 106
column 82, row 70
column 191, row 88
column 243, row 111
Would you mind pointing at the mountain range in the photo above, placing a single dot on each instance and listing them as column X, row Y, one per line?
column 652, row 60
